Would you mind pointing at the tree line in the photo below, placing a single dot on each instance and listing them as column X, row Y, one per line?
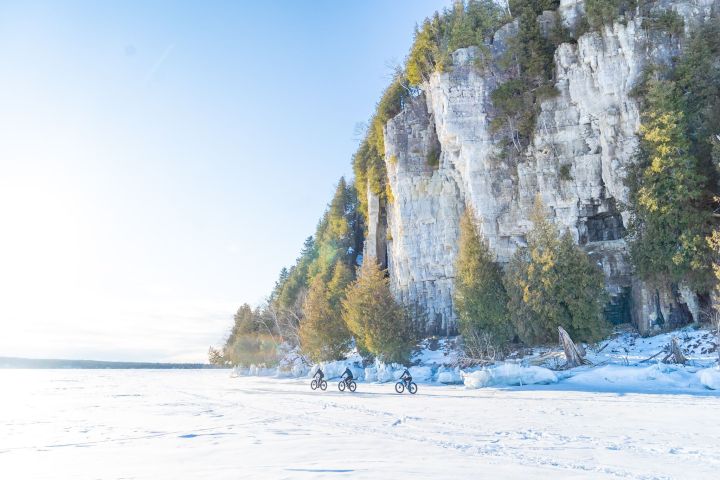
column 328, row 301
column 550, row 282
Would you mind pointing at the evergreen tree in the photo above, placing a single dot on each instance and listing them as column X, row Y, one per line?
column 243, row 323
column 425, row 55
column 323, row 334
column 536, row 6
column 379, row 324
column 337, row 232
column 669, row 196
column 554, row 283
column 473, row 23
column 215, row 357
column 714, row 244
column 480, row 297
column 282, row 278
column 697, row 80
column 251, row 340
column 580, row 292
column 297, row 279
column 529, row 61
column 523, row 319
column 604, row 12
column 466, row 24
column 337, row 286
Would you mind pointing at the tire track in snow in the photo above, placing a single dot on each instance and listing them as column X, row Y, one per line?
column 491, row 449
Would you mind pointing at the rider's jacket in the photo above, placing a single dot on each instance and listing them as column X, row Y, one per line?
column 348, row 373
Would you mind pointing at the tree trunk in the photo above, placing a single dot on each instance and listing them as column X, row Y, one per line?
column 675, row 355
column 572, row 353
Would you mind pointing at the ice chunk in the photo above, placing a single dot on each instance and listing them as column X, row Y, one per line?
column 449, row 375
column 370, row 374
column 710, row 377
column 420, row 374
column 388, row 372
column 509, row 374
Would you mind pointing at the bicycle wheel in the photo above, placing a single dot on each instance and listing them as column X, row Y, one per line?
column 412, row 388
column 313, row 384
column 323, row 385
column 341, row 386
column 352, row 386
column 399, row 387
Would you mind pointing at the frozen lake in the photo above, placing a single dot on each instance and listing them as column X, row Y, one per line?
column 113, row 424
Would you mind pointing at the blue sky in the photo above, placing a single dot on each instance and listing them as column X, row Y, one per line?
column 161, row 161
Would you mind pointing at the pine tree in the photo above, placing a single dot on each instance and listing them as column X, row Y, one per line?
column 553, row 283
column 337, row 232
column 251, row 340
column 529, row 61
column 380, row 325
column 581, row 292
column 523, row 319
column 243, row 323
column 425, row 54
column 215, row 357
column 671, row 216
column 297, row 279
column 323, row 333
column 337, row 286
column 604, row 12
column 480, row 297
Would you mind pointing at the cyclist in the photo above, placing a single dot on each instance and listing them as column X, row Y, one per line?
column 347, row 375
column 319, row 375
column 406, row 377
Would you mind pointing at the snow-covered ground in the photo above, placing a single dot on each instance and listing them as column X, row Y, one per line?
column 625, row 362
column 184, row 424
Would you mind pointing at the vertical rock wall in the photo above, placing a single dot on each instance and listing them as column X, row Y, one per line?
column 441, row 158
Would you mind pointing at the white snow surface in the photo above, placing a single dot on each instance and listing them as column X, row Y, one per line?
column 171, row 424
column 656, row 378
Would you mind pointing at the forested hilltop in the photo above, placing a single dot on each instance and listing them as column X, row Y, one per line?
column 532, row 164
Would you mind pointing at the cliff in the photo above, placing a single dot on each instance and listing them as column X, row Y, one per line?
column 442, row 157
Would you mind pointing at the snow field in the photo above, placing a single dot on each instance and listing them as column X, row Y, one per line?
column 81, row 424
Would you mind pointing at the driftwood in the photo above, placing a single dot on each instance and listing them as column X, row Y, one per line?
column 650, row 358
column 546, row 357
column 603, row 347
column 675, row 355
column 573, row 354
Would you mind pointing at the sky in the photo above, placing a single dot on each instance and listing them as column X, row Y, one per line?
column 160, row 161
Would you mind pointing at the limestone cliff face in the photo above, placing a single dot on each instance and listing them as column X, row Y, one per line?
column 442, row 158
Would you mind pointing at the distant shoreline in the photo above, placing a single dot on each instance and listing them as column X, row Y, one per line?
column 47, row 363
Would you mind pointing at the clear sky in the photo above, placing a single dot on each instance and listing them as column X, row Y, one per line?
column 160, row 162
